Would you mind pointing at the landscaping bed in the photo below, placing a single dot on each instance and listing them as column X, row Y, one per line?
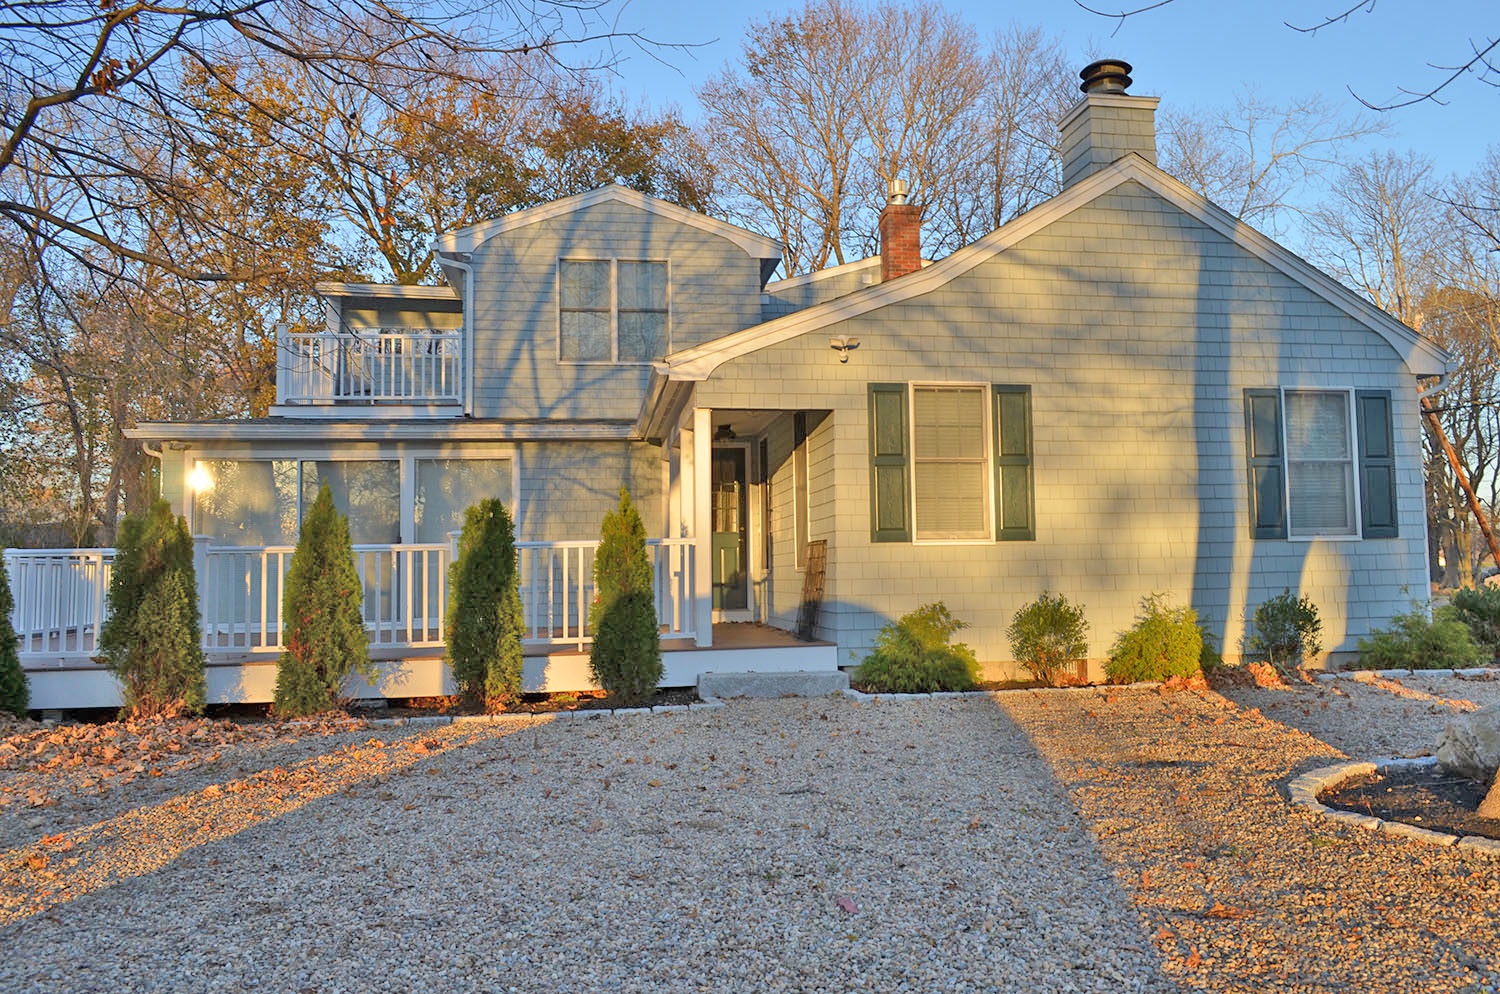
column 1423, row 796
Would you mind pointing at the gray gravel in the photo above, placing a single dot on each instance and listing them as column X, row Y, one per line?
column 823, row 845
column 1095, row 840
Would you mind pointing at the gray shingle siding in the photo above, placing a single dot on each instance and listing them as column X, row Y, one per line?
column 1137, row 360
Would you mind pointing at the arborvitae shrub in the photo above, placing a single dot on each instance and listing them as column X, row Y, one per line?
column 1480, row 610
column 14, row 695
column 1413, row 642
column 152, row 641
column 1049, row 636
column 626, row 655
column 1164, row 642
column 916, row 655
column 322, row 629
column 1285, row 632
column 485, row 623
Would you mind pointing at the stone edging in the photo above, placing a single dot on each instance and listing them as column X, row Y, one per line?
column 1304, row 792
column 585, row 714
column 1365, row 676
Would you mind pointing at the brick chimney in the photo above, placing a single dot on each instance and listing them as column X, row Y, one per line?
column 1106, row 123
column 900, row 234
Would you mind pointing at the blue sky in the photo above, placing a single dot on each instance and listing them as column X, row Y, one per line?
column 1191, row 53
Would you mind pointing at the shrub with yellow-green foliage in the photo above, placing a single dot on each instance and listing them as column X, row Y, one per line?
column 917, row 655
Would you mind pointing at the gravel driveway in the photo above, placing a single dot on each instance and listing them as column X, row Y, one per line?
column 1110, row 840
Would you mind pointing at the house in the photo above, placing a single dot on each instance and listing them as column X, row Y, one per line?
column 1123, row 391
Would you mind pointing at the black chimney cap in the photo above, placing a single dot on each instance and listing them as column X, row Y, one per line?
column 1105, row 76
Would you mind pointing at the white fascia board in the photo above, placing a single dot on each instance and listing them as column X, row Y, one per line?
column 469, row 239
column 458, row 430
column 1421, row 357
column 792, row 282
column 386, row 291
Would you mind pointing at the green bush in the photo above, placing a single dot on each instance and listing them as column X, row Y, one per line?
column 1048, row 636
column 1285, row 631
column 1164, row 642
column 916, row 655
column 626, row 655
column 1415, row 642
column 14, row 695
column 485, row 622
column 1480, row 610
column 152, row 640
column 322, row 628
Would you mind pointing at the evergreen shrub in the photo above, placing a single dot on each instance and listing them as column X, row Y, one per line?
column 14, row 695
column 1285, row 631
column 626, row 655
column 1480, row 610
column 1164, row 642
column 322, row 628
column 485, row 622
column 1048, row 636
column 1415, row 642
column 916, row 655
column 152, row 640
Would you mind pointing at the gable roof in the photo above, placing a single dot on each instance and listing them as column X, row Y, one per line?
column 767, row 250
column 1421, row 356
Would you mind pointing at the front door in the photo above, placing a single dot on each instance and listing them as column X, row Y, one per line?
column 729, row 493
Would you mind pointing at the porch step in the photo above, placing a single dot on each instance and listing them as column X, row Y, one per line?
column 793, row 683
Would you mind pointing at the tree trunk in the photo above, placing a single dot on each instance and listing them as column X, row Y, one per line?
column 1490, row 806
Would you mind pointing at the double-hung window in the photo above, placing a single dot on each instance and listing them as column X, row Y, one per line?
column 1320, row 463
column 612, row 310
column 950, row 462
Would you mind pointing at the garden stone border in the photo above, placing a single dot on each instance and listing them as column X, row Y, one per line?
column 1304, row 791
column 1365, row 676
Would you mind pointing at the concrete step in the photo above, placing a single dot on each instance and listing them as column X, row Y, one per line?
column 793, row 683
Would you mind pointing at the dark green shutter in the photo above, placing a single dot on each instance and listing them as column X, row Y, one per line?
column 1377, row 463
column 890, row 517
column 1266, row 470
column 1015, row 512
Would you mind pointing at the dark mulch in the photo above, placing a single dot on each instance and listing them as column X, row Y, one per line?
column 1422, row 796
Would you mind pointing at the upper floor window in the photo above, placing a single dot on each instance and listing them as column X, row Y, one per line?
column 612, row 310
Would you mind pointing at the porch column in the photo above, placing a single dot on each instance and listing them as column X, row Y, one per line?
column 703, row 527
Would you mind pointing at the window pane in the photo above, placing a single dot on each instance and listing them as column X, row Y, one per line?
column 643, row 286
column 446, row 488
column 950, row 500
column 585, row 336
column 250, row 502
column 368, row 492
column 1317, row 426
column 585, row 285
column 1322, row 498
column 948, row 423
column 643, row 336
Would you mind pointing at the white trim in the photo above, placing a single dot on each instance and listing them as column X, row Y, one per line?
column 986, row 534
column 1421, row 357
column 375, row 431
column 1351, row 427
column 387, row 291
column 794, row 282
column 471, row 238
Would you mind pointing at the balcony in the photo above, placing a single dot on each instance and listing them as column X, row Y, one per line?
column 376, row 367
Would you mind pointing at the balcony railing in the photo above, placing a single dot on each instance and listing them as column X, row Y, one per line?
column 60, row 596
column 375, row 365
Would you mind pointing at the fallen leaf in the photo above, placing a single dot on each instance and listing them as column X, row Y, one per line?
column 847, row 904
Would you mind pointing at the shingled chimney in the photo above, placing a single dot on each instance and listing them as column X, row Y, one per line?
column 1107, row 123
column 900, row 234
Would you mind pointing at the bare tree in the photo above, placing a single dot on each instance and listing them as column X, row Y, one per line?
column 1478, row 58
column 94, row 99
column 1256, row 158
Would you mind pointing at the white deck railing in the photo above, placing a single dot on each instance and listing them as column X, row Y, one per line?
column 386, row 365
column 60, row 595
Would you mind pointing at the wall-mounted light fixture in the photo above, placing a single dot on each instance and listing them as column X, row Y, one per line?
column 843, row 345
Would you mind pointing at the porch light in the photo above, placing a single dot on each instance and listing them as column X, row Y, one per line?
column 200, row 479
